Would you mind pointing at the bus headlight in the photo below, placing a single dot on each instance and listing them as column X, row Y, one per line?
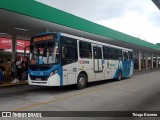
column 53, row 73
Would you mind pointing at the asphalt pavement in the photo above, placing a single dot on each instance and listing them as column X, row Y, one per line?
column 138, row 93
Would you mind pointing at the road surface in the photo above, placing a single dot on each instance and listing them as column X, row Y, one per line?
column 138, row 93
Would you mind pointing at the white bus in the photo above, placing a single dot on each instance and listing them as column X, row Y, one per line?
column 58, row 59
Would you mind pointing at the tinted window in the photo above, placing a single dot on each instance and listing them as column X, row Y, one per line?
column 68, row 41
column 119, row 54
column 68, row 50
column 85, row 49
column 113, row 53
column 130, row 53
column 125, row 55
column 106, row 52
column 97, row 52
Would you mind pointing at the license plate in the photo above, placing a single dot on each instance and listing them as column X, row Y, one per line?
column 38, row 79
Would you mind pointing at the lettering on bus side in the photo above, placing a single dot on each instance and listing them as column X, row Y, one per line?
column 84, row 62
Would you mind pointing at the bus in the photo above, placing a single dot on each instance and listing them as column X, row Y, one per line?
column 59, row 59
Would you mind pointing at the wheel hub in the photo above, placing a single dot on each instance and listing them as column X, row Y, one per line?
column 81, row 81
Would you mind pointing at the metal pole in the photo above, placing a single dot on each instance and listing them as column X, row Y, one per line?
column 14, row 47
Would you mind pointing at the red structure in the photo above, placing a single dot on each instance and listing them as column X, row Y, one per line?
column 5, row 43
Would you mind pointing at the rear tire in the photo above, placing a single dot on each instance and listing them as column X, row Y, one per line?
column 119, row 76
column 81, row 81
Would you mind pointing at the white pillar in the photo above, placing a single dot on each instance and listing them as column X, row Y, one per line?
column 14, row 47
column 152, row 60
column 157, row 61
column 146, row 60
column 139, row 60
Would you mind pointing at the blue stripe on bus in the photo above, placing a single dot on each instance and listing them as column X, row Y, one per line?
column 116, row 74
column 60, row 72
column 126, row 68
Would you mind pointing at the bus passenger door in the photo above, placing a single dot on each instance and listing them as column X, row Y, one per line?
column 97, row 62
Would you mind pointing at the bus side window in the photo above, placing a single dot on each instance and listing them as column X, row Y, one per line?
column 125, row 55
column 113, row 52
column 85, row 49
column 106, row 52
column 119, row 53
column 69, row 50
column 130, row 55
column 69, row 54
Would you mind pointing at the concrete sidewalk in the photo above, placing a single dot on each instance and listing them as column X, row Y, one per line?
column 145, row 70
column 6, row 83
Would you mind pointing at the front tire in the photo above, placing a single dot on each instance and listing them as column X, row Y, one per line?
column 81, row 81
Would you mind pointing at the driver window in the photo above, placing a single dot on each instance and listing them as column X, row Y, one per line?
column 69, row 50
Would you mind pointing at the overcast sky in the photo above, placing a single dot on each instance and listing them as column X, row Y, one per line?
column 139, row 18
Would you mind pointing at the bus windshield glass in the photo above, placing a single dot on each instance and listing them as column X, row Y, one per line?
column 44, row 52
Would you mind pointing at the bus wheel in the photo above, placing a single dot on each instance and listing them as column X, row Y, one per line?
column 81, row 81
column 119, row 76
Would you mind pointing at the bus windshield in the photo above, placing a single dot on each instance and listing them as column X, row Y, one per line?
column 44, row 52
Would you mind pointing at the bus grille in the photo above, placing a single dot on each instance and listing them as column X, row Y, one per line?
column 39, row 78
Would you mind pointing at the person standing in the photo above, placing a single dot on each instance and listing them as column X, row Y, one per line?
column 26, row 68
column 1, row 72
column 23, row 70
column 14, row 73
column 1, row 76
column 19, row 68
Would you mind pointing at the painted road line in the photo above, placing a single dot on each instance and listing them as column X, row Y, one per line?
column 60, row 99
column 55, row 100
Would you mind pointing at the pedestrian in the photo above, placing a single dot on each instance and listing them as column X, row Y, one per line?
column 19, row 68
column 14, row 72
column 1, row 76
column 2, row 68
column 23, row 70
column 26, row 68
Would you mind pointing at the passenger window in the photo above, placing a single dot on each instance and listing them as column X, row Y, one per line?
column 85, row 49
column 130, row 55
column 106, row 52
column 125, row 55
column 69, row 50
column 97, row 52
column 113, row 53
column 119, row 54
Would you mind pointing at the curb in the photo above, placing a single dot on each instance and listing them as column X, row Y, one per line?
column 13, row 84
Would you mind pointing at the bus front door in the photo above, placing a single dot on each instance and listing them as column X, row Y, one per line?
column 97, row 62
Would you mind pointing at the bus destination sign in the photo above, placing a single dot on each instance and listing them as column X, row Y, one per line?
column 43, row 38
